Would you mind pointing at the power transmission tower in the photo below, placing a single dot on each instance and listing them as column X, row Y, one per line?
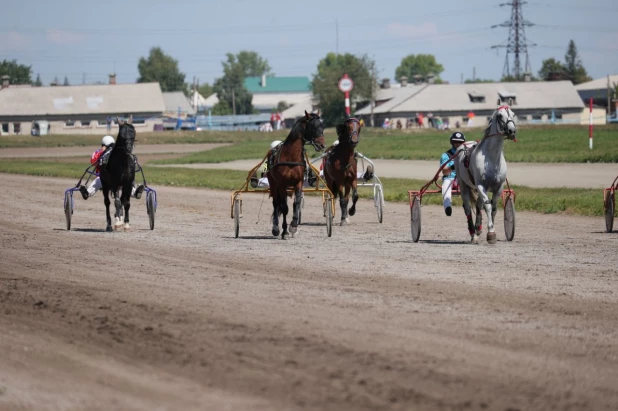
column 517, row 44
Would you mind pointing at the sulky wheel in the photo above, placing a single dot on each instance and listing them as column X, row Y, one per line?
column 68, row 207
column 415, row 217
column 509, row 218
column 236, row 217
column 379, row 201
column 151, row 208
column 610, row 207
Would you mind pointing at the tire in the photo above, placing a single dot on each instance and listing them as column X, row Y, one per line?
column 379, row 200
column 151, row 208
column 415, row 219
column 236, row 217
column 329, row 217
column 509, row 218
column 68, row 208
column 610, row 207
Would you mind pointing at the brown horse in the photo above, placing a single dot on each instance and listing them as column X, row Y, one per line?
column 288, row 167
column 340, row 167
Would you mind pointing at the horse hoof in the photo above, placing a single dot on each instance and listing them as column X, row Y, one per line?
column 344, row 222
column 474, row 239
column 352, row 211
column 109, row 229
column 293, row 229
column 491, row 238
column 127, row 227
column 276, row 231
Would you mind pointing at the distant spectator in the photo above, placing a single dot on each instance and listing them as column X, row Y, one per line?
column 108, row 122
column 470, row 119
column 430, row 123
column 387, row 123
column 399, row 125
column 421, row 118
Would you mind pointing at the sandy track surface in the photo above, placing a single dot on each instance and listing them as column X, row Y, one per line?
column 187, row 317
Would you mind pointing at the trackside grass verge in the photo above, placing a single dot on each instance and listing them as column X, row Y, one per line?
column 585, row 202
column 537, row 144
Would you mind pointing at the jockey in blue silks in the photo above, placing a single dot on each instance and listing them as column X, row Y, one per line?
column 448, row 172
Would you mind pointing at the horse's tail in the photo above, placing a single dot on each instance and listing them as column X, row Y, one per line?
column 474, row 195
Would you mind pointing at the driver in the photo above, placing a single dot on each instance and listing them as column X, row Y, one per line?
column 258, row 179
column 99, row 157
column 448, row 172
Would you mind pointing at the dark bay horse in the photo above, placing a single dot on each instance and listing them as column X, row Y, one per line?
column 340, row 167
column 288, row 169
column 118, row 175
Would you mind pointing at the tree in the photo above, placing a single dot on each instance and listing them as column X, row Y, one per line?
column 251, row 63
column 163, row 69
column 66, row 81
column 55, row 82
column 573, row 65
column 37, row 82
column 419, row 65
column 282, row 106
column 205, row 89
column 325, row 83
column 552, row 69
column 18, row 73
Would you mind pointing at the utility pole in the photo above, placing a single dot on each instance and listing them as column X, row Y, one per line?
column 517, row 44
column 473, row 74
column 233, row 103
column 374, row 83
column 609, row 99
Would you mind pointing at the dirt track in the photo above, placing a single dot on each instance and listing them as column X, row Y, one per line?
column 187, row 317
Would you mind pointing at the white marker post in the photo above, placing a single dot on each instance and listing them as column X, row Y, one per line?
column 590, row 125
column 346, row 85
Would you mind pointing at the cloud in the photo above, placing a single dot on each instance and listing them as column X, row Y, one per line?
column 411, row 31
column 12, row 40
column 64, row 37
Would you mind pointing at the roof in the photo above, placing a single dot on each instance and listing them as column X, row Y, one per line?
column 83, row 99
column 598, row 84
column 298, row 109
column 176, row 99
column 456, row 97
column 277, row 84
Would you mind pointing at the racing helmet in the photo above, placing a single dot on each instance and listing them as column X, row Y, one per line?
column 275, row 143
column 458, row 137
column 107, row 141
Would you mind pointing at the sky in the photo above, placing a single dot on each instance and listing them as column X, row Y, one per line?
column 86, row 40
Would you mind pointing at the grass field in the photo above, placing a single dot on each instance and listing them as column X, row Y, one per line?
column 540, row 144
column 573, row 201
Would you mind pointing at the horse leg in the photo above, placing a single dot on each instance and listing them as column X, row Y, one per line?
column 107, row 203
column 284, row 211
column 354, row 198
column 491, row 234
column 126, row 201
column 118, row 214
column 494, row 209
column 465, row 197
column 276, row 213
column 296, row 207
column 344, row 198
column 479, row 218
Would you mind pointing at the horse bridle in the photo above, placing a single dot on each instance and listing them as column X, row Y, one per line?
column 355, row 132
column 310, row 138
column 503, row 125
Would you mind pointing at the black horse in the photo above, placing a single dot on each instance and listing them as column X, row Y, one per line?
column 118, row 175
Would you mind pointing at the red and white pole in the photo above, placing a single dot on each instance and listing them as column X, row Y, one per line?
column 590, row 125
column 347, row 103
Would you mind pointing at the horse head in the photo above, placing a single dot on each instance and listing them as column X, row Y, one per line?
column 313, row 130
column 503, row 120
column 349, row 131
column 126, row 134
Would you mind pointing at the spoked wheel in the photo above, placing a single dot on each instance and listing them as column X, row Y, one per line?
column 610, row 207
column 68, row 207
column 509, row 218
column 379, row 201
column 151, row 208
column 236, row 217
column 328, row 204
column 415, row 217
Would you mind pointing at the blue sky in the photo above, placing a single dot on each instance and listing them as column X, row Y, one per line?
column 90, row 39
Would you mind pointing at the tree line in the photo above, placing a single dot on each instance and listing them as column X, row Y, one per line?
column 234, row 97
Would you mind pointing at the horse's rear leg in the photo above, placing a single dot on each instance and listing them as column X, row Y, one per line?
column 487, row 205
column 465, row 196
column 126, row 201
column 118, row 214
column 107, row 213
column 284, row 212
column 276, row 213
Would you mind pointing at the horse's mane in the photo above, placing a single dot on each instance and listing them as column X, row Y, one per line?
column 292, row 134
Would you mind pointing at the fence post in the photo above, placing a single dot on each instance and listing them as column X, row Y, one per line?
column 590, row 125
